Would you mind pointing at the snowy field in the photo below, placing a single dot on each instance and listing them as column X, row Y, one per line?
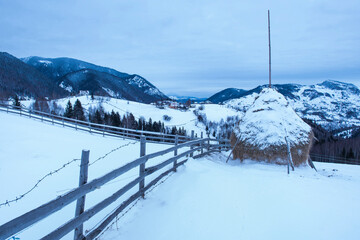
column 209, row 199
column 205, row 199
column 186, row 119
column 30, row 149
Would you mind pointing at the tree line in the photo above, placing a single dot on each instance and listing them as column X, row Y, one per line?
column 326, row 146
column 100, row 116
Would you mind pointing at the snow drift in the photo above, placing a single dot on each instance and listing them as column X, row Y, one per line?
column 261, row 133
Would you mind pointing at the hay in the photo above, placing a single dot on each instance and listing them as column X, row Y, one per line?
column 272, row 154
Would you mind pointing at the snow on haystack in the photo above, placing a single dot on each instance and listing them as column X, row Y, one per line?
column 260, row 134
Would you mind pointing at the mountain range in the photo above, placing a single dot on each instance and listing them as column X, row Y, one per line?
column 332, row 104
column 37, row 77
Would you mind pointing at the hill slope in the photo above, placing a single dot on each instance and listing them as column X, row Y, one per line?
column 226, row 94
column 102, row 84
column 57, row 68
column 18, row 78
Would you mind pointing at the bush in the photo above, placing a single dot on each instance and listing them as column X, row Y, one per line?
column 166, row 118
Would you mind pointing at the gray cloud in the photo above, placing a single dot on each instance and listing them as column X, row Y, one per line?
column 190, row 47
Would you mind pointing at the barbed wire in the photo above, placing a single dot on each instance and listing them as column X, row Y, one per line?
column 113, row 150
column 7, row 203
column 127, row 210
column 103, row 157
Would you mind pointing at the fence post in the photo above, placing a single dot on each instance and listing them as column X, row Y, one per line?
column 208, row 143
column 289, row 155
column 80, row 204
column 52, row 119
column 63, row 122
column 202, row 144
column 89, row 127
column 142, row 166
column 176, row 151
column 104, row 130
column 192, row 138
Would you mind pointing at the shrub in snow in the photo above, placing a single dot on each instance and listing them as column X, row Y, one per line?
column 166, row 118
column 260, row 133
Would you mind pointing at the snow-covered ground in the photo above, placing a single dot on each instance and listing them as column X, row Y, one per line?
column 209, row 199
column 205, row 199
column 30, row 149
column 186, row 119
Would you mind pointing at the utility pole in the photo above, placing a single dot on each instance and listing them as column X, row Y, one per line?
column 269, row 49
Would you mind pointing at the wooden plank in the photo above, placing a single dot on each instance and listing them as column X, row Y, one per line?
column 94, row 233
column 202, row 143
column 289, row 155
column 142, row 165
column 80, row 204
column 157, row 167
column 191, row 147
column 160, row 153
column 311, row 163
column 176, row 152
column 73, row 223
column 10, row 228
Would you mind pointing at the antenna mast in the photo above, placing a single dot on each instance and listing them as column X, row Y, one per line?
column 269, row 49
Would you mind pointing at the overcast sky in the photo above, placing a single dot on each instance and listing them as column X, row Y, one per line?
column 193, row 47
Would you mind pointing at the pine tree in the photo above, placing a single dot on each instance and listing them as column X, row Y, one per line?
column 149, row 125
column 69, row 112
column 107, row 118
column 132, row 121
column 78, row 111
column 156, row 127
column 17, row 101
column 174, row 130
column 98, row 118
column 115, row 119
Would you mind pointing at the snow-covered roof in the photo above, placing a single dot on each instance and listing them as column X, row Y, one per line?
column 269, row 120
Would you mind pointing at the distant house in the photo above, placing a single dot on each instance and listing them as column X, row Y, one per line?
column 174, row 105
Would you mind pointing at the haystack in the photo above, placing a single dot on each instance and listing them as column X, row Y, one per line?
column 261, row 132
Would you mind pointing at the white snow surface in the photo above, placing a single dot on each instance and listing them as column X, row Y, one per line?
column 205, row 199
column 269, row 119
column 186, row 119
column 30, row 149
column 45, row 62
column 208, row 199
column 67, row 88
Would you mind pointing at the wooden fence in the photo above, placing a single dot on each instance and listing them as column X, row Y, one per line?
column 195, row 148
column 105, row 130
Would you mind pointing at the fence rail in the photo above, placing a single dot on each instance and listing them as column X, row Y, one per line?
column 95, row 128
column 78, row 194
column 333, row 159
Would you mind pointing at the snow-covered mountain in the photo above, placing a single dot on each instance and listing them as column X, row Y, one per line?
column 74, row 75
column 332, row 104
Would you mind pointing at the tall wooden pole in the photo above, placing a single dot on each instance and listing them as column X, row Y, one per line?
column 269, row 49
